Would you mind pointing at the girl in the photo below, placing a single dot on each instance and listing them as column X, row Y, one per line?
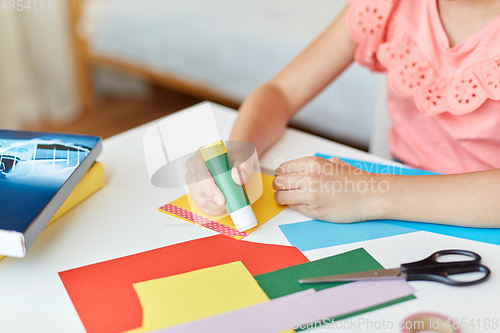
column 442, row 60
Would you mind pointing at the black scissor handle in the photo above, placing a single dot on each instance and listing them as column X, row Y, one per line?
column 430, row 269
column 432, row 262
column 442, row 275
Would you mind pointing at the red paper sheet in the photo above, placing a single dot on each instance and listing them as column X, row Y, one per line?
column 105, row 299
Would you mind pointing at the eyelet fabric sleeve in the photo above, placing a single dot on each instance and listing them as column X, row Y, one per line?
column 367, row 24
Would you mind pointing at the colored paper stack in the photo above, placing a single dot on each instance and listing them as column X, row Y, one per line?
column 221, row 282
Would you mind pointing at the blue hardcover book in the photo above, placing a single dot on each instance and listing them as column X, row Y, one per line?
column 38, row 171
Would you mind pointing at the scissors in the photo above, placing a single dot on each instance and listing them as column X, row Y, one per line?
column 429, row 269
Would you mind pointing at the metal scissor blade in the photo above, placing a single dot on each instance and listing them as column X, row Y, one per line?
column 377, row 274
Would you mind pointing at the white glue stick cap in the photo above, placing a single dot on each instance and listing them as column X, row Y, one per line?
column 244, row 218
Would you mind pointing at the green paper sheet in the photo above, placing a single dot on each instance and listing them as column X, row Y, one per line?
column 286, row 281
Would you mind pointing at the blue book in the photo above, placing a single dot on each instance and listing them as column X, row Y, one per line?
column 38, row 171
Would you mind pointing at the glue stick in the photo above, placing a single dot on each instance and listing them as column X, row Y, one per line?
column 237, row 203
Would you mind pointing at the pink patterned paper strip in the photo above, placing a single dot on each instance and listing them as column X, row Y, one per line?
column 202, row 221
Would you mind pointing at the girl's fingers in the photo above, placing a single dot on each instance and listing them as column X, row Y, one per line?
column 212, row 192
column 209, row 207
column 204, row 191
column 311, row 164
column 296, row 197
column 294, row 166
column 196, row 191
column 244, row 163
column 213, row 209
column 242, row 173
column 206, row 182
column 286, row 182
column 206, row 204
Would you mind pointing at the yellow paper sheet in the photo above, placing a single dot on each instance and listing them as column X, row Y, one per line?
column 90, row 183
column 264, row 208
column 198, row 294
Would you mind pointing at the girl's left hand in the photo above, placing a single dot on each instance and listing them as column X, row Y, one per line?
column 329, row 190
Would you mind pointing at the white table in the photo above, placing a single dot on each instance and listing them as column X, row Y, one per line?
column 122, row 219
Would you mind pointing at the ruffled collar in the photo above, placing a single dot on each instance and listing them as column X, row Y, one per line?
column 441, row 79
column 410, row 73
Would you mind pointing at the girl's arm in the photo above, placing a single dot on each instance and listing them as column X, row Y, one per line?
column 468, row 199
column 264, row 115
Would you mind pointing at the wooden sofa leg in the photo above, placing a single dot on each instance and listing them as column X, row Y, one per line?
column 82, row 64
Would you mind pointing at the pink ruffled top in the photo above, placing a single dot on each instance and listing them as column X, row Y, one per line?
column 444, row 102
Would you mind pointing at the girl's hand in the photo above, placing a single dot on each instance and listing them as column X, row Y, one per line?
column 202, row 187
column 205, row 193
column 328, row 190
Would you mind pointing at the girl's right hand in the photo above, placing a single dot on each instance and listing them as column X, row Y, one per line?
column 205, row 193
column 202, row 187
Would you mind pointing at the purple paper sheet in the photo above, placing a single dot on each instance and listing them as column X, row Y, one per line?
column 300, row 308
